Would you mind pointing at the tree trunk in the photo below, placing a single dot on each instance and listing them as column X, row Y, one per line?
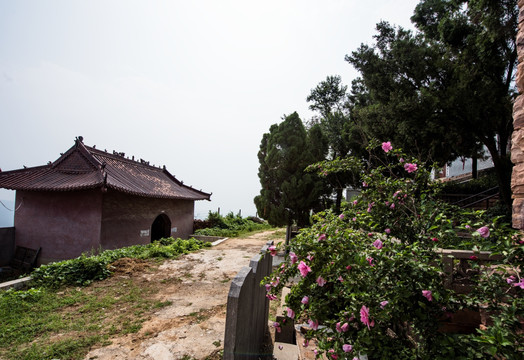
column 474, row 167
column 503, row 168
column 338, row 200
column 288, row 234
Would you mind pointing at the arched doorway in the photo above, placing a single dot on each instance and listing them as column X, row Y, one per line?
column 161, row 227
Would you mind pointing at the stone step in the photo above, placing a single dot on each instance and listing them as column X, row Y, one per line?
column 284, row 351
column 15, row 284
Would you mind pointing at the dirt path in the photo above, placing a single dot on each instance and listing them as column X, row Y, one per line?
column 192, row 326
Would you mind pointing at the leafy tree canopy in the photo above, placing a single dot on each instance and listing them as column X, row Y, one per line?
column 445, row 91
column 329, row 98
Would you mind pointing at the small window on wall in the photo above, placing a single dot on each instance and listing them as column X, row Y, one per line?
column 161, row 227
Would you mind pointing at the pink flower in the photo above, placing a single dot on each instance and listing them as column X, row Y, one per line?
column 273, row 250
column 293, row 257
column 427, row 294
column 386, row 146
column 268, row 287
column 370, row 261
column 332, row 354
column 304, row 269
column 410, row 167
column 364, row 315
column 321, row 281
column 280, row 347
column 271, row 297
column 387, row 231
column 340, row 278
column 468, row 227
column 378, row 244
column 290, row 313
column 313, row 324
column 305, row 343
column 322, row 237
column 337, row 327
column 277, row 326
column 383, row 304
column 483, row 231
column 519, row 284
column 341, row 216
column 305, row 300
column 473, row 257
column 364, row 184
column 392, row 206
column 348, row 267
column 401, row 160
column 354, row 219
column 511, row 279
column 434, row 239
column 347, row 348
column 355, row 202
column 342, row 328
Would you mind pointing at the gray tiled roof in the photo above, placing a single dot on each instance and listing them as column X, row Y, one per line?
column 83, row 167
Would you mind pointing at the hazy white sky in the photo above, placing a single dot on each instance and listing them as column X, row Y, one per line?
column 192, row 85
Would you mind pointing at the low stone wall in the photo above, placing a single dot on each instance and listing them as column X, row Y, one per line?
column 248, row 310
column 207, row 238
column 7, row 245
column 16, row 284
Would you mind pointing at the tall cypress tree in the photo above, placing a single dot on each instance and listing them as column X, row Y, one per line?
column 289, row 194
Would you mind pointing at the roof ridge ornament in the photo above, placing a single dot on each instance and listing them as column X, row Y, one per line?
column 79, row 140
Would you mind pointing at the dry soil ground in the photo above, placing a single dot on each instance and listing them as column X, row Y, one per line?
column 196, row 285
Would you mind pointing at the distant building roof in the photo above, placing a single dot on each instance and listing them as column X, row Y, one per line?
column 84, row 167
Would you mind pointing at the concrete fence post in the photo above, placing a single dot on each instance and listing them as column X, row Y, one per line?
column 248, row 310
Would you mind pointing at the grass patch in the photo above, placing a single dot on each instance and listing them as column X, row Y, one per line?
column 279, row 234
column 204, row 314
column 60, row 320
column 45, row 324
column 64, row 324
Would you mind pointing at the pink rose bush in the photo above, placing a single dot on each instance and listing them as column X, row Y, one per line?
column 368, row 280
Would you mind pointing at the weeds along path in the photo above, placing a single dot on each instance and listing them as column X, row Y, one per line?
column 195, row 287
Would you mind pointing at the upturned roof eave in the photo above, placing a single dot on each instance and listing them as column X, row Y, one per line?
column 205, row 196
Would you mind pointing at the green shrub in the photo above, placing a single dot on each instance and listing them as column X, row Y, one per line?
column 86, row 269
column 230, row 225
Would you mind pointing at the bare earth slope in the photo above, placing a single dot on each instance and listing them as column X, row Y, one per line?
column 192, row 326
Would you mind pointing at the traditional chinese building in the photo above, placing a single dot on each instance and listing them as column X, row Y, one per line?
column 90, row 199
